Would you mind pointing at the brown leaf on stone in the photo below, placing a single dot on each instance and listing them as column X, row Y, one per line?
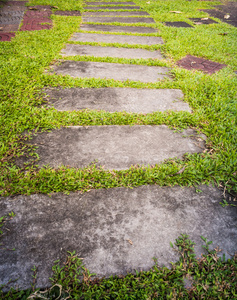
column 226, row 16
column 176, row 12
column 130, row 242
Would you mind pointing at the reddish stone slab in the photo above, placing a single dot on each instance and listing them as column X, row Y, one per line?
column 190, row 62
column 32, row 14
column 16, row 3
column 68, row 13
column 36, row 24
column 6, row 36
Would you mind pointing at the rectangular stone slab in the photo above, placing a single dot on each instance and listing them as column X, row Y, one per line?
column 114, row 147
column 111, row 7
column 113, row 28
column 110, row 3
column 118, row 99
column 98, row 225
column 115, row 38
column 97, row 51
column 115, row 13
column 114, row 71
column 117, row 19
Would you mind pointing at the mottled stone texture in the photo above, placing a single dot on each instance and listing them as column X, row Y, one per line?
column 114, row 147
column 98, row 224
column 113, row 28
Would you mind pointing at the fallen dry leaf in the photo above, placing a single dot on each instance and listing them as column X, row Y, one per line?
column 1, row 28
column 176, row 12
column 226, row 16
column 204, row 19
column 224, row 33
column 130, row 242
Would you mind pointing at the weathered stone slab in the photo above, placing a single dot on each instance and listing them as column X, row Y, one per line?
column 114, row 147
column 178, row 24
column 115, row 38
column 117, row 19
column 111, row 7
column 115, row 13
column 113, row 28
column 110, row 3
column 72, row 50
column 98, row 224
column 114, row 71
column 118, row 99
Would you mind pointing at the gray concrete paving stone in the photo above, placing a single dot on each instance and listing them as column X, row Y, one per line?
column 115, row 13
column 118, row 19
column 118, row 99
column 114, row 147
column 114, row 28
column 111, row 7
column 98, row 224
column 98, row 51
column 83, row 69
column 115, row 38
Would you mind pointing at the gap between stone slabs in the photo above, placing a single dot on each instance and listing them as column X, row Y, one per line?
column 115, row 38
column 98, row 51
column 83, row 69
column 114, row 28
column 133, row 20
column 98, row 224
column 117, row 99
column 113, row 146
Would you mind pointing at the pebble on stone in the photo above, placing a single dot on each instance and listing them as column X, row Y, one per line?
column 177, row 24
column 115, row 38
column 113, row 28
column 83, row 69
column 73, row 50
column 114, row 147
column 117, row 99
column 190, row 62
column 118, row 19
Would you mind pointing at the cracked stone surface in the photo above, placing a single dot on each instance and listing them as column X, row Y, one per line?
column 114, row 147
column 83, row 69
column 99, row 223
column 190, row 62
column 117, row 19
column 98, row 51
column 113, row 28
column 118, row 99
column 115, row 38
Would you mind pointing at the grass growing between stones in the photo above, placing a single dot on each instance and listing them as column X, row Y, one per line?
column 212, row 99
column 208, row 277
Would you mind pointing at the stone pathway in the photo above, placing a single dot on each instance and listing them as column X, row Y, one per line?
column 99, row 224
